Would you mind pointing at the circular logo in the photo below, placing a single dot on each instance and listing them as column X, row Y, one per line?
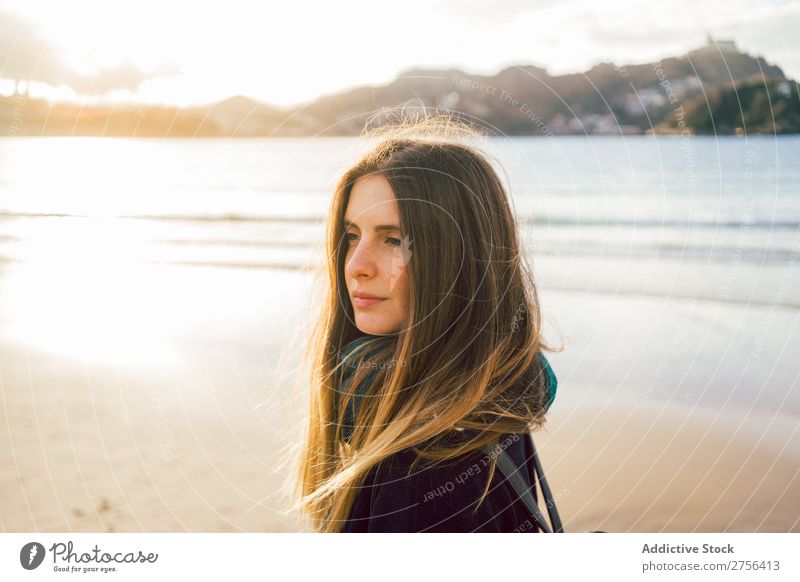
column 31, row 555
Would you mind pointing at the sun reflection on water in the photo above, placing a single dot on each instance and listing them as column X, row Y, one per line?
column 85, row 291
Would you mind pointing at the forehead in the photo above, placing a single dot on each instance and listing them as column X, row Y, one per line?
column 371, row 201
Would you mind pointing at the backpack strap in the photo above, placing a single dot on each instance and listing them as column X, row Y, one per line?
column 555, row 519
column 511, row 472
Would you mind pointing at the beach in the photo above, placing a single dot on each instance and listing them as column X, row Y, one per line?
column 667, row 468
column 204, row 444
column 151, row 331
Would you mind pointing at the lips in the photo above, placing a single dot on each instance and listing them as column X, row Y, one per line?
column 366, row 295
column 362, row 300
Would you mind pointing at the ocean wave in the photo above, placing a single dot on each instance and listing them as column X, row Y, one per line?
column 228, row 217
column 671, row 223
column 527, row 220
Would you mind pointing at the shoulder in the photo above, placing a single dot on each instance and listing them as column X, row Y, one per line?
column 438, row 496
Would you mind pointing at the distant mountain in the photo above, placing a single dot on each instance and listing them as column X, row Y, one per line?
column 693, row 92
column 750, row 107
column 24, row 116
column 528, row 101
column 240, row 116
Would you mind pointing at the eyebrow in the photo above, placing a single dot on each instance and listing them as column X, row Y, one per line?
column 378, row 228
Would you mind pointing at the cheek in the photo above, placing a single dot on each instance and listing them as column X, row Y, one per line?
column 402, row 292
column 397, row 274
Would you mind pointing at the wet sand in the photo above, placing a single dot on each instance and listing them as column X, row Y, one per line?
column 92, row 450
column 668, row 468
column 204, row 443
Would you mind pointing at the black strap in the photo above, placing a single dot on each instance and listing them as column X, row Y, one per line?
column 511, row 471
column 550, row 502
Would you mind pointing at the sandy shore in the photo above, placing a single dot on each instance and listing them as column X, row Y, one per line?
column 669, row 468
column 86, row 448
column 91, row 449
column 203, row 440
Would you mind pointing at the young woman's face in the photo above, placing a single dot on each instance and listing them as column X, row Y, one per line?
column 376, row 258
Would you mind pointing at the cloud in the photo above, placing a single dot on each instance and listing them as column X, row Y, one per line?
column 123, row 76
column 26, row 55
column 478, row 12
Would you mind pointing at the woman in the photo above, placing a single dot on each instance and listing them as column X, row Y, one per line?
column 428, row 346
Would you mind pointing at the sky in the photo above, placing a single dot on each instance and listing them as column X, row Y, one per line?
column 183, row 53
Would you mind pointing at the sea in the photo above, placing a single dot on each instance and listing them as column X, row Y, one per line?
column 666, row 266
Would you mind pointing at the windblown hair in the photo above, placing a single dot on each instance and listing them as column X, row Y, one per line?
column 461, row 372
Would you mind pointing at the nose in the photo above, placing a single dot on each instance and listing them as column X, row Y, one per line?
column 360, row 263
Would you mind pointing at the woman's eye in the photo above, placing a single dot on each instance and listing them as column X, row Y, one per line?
column 351, row 237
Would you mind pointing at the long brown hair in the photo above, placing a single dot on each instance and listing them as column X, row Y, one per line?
column 462, row 365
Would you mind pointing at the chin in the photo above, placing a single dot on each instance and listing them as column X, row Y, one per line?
column 371, row 326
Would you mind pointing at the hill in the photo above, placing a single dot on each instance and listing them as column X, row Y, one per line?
column 701, row 91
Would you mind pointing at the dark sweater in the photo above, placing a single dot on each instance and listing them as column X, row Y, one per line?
column 440, row 497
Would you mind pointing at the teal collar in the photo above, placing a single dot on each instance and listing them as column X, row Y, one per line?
column 349, row 368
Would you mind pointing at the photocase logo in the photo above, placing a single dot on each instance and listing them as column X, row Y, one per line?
column 402, row 255
column 31, row 555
